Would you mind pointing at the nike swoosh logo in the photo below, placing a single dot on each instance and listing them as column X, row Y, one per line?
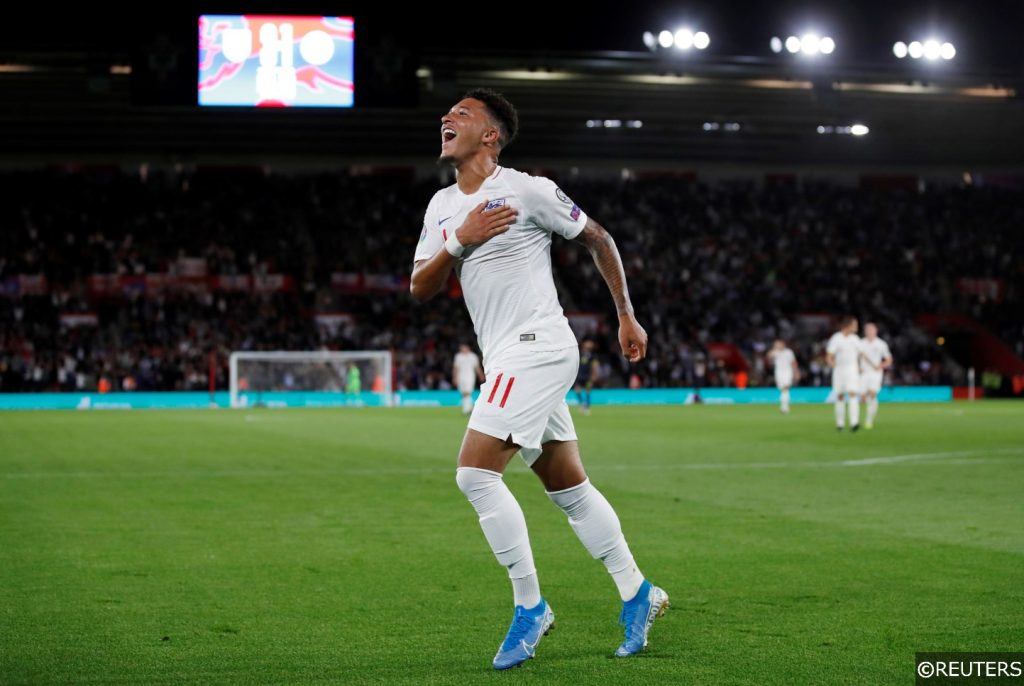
column 442, row 221
column 532, row 647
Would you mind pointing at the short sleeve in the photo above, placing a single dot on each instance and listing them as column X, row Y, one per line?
column 431, row 239
column 550, row 208
column 833, row 345
column 885, row 350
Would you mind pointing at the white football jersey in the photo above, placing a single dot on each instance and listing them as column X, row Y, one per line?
column 846, row 350
column 507, row 282
column 783, row 360
column 875, row 351
column 465, row 365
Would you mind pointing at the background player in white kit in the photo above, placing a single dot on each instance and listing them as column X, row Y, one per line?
column 494, row 227
column 466, row 372
column 786, row 371
column 875, row 358
column 843, row 355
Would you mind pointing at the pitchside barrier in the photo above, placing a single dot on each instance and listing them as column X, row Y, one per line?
column 604, row 396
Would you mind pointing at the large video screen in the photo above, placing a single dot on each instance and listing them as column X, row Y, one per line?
column 276, row 61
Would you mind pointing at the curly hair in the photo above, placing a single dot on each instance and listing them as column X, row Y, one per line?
column 501, row 110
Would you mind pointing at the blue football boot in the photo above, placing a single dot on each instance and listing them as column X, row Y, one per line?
column 528, row 626
column 638, row 614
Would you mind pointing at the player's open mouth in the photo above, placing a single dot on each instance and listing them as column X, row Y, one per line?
column 447, row 134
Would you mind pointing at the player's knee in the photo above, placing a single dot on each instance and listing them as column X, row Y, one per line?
column 465, row 480
column 475, row 482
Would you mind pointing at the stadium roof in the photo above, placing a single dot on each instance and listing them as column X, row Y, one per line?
column 83, row 94
column 987, row 33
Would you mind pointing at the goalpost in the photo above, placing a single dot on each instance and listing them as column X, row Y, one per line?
column 314, row 378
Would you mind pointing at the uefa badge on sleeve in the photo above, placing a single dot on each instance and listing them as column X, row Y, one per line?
column 574, row 212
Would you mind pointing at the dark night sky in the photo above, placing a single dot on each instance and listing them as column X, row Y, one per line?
column 988, row 33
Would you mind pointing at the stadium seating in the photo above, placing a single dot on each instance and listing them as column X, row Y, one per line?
column 139, row 278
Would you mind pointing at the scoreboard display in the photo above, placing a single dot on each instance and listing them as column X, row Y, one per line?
column 276, row 61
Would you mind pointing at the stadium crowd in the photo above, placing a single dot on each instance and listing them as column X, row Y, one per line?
column 731, row 262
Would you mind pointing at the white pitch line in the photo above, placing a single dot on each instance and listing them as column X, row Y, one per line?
column 871, row 461
column 893, row 459
column 935, row 458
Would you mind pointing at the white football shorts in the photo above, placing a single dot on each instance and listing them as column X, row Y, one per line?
column 846, row 380
column 872, row 380
column 523, row 396
column 783, row 379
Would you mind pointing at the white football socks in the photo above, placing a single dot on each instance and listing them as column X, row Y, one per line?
column 853, row 407
column 526, row 591
column 598, row 528
column 784, row 399
column 504, row 527
column 872, row 407
column 840, row 406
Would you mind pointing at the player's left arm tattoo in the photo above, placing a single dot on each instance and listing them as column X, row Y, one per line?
column 632, row 337
column 606, row 256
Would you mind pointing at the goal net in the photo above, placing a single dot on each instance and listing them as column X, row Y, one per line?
column 315, row 378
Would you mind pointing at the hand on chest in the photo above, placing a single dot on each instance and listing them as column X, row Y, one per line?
column 455, row 214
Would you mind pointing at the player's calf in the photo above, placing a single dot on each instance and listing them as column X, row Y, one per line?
column 597, row 526
column 504, row 527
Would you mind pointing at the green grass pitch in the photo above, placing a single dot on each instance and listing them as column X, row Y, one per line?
column 332, row 546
